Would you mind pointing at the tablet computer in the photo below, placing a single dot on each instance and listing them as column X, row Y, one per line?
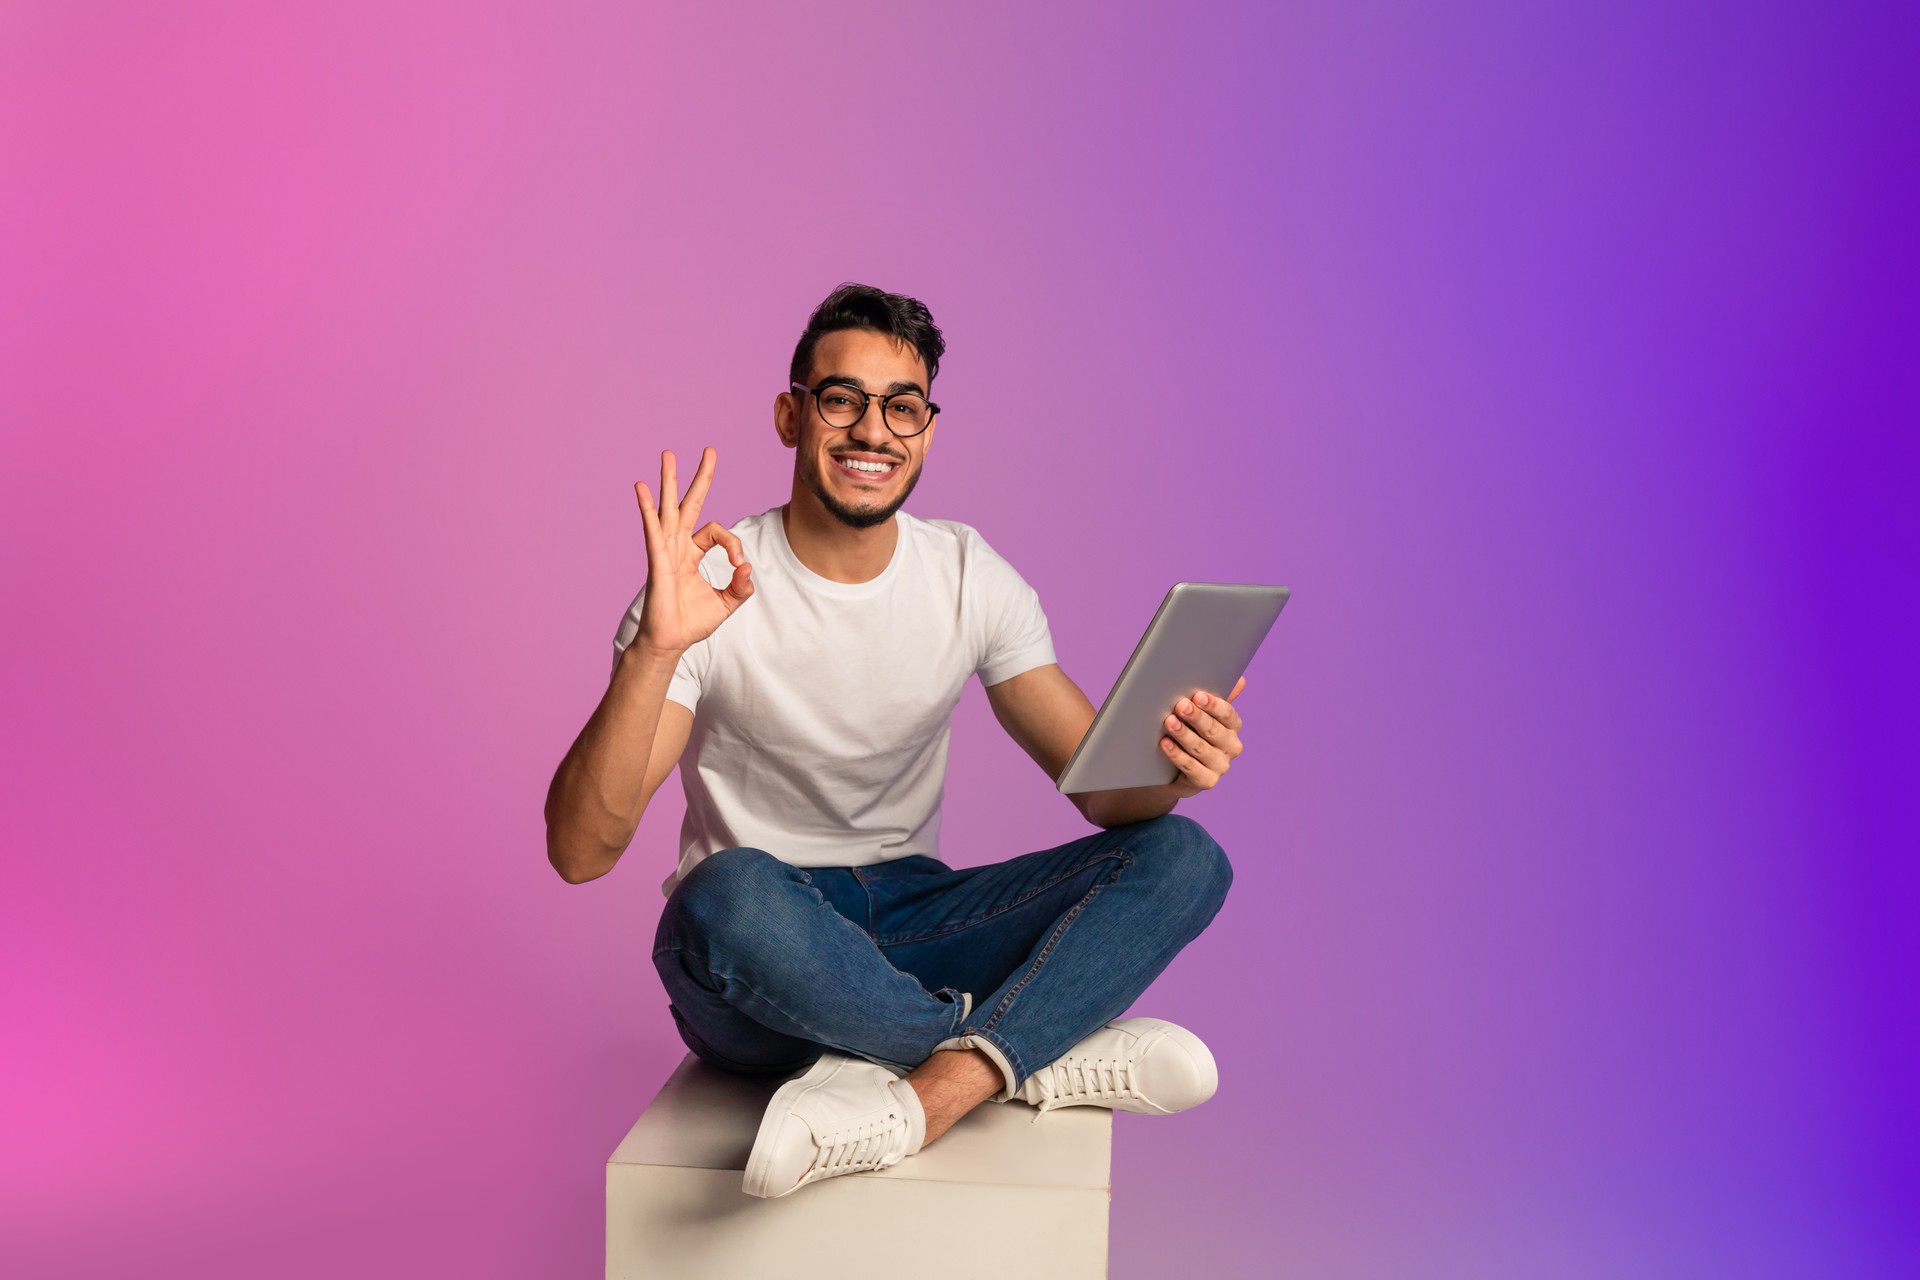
column 1201, row 637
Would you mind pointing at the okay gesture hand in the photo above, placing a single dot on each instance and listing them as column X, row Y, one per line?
column 681, row 608
column 1202, row 737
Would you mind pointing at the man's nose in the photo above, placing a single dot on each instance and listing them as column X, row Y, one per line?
column 872, row 427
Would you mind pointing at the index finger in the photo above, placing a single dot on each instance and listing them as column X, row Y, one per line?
column 697, row 490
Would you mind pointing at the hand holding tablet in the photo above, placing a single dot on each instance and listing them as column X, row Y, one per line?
column 1202, row 637
column 1202, row 738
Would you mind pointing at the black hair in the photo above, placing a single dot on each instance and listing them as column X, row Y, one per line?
column 861, row 306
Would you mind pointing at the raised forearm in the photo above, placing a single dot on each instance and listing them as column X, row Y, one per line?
column 1130, row 804
column 599, row 792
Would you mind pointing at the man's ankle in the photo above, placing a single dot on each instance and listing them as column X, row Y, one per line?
column 950, row 1083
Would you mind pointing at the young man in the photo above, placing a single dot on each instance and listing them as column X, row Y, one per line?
column 806, row 663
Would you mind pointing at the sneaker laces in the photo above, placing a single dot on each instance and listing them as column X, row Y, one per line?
column 1072, row 1080
column 872, row 1144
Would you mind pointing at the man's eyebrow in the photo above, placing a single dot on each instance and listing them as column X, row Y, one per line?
column 893, row 388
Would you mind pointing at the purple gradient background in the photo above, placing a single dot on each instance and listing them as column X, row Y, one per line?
column 1562, row 362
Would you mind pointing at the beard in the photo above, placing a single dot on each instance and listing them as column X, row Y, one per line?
column 856, row 517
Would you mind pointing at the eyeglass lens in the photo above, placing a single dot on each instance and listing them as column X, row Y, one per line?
column 842, row 407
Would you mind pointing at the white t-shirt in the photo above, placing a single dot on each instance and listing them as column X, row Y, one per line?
column 823, row 710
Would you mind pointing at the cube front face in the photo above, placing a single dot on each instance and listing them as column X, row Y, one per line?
column 675, row 1206
column 697, row 1224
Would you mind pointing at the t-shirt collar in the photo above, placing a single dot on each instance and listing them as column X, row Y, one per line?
column 827, row 586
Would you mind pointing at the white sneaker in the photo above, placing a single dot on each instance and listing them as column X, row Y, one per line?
column 1144, row 1065
column 845, row 1115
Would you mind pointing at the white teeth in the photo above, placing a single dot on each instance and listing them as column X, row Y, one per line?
column 858, row 465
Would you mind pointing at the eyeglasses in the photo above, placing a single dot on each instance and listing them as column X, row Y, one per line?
column 905, row 413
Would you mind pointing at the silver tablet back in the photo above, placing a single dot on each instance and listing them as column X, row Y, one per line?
column 1202, row 637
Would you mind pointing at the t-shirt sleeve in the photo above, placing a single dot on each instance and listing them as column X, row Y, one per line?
column 1012, row 631
column 688, row 674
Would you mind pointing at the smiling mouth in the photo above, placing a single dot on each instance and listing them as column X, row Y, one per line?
column 865, row 470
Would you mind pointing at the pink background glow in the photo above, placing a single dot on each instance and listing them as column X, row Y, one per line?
column 1562, row 363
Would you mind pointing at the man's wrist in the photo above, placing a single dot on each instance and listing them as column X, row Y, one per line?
column 646, row 656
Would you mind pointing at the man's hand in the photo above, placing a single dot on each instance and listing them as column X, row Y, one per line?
column 681, row 608
column 1202, row 737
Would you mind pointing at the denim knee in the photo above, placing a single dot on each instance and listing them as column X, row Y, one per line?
column 1191, row 861
column 723, row 894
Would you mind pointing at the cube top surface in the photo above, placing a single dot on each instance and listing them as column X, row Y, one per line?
column 707, row 1119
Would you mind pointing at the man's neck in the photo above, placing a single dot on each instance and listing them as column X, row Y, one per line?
column 836, row 551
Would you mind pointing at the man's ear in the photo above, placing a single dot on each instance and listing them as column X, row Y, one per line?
column 786, row 420
column 927, row 448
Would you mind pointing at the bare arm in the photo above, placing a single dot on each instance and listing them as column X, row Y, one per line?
column 601, row 790
column 635, row 736
column 1047, row 714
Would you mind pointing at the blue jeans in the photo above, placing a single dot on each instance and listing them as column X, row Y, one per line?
column 767, row 965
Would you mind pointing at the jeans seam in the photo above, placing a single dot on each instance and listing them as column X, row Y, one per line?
column 1124, row 860
column 1015, row 1063
column 900, row 940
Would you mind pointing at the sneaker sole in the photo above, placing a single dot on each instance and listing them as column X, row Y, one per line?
column 756, row 1182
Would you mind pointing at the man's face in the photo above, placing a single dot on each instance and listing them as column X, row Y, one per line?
column 878, row 365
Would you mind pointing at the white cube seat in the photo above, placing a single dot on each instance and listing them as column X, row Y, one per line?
column 998, row 1195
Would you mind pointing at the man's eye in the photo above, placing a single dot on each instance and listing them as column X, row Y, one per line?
column 837, row 401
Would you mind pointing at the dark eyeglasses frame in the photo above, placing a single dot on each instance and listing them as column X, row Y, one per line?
column 933, row 410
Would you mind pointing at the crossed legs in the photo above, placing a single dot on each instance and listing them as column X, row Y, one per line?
column 970, row 980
